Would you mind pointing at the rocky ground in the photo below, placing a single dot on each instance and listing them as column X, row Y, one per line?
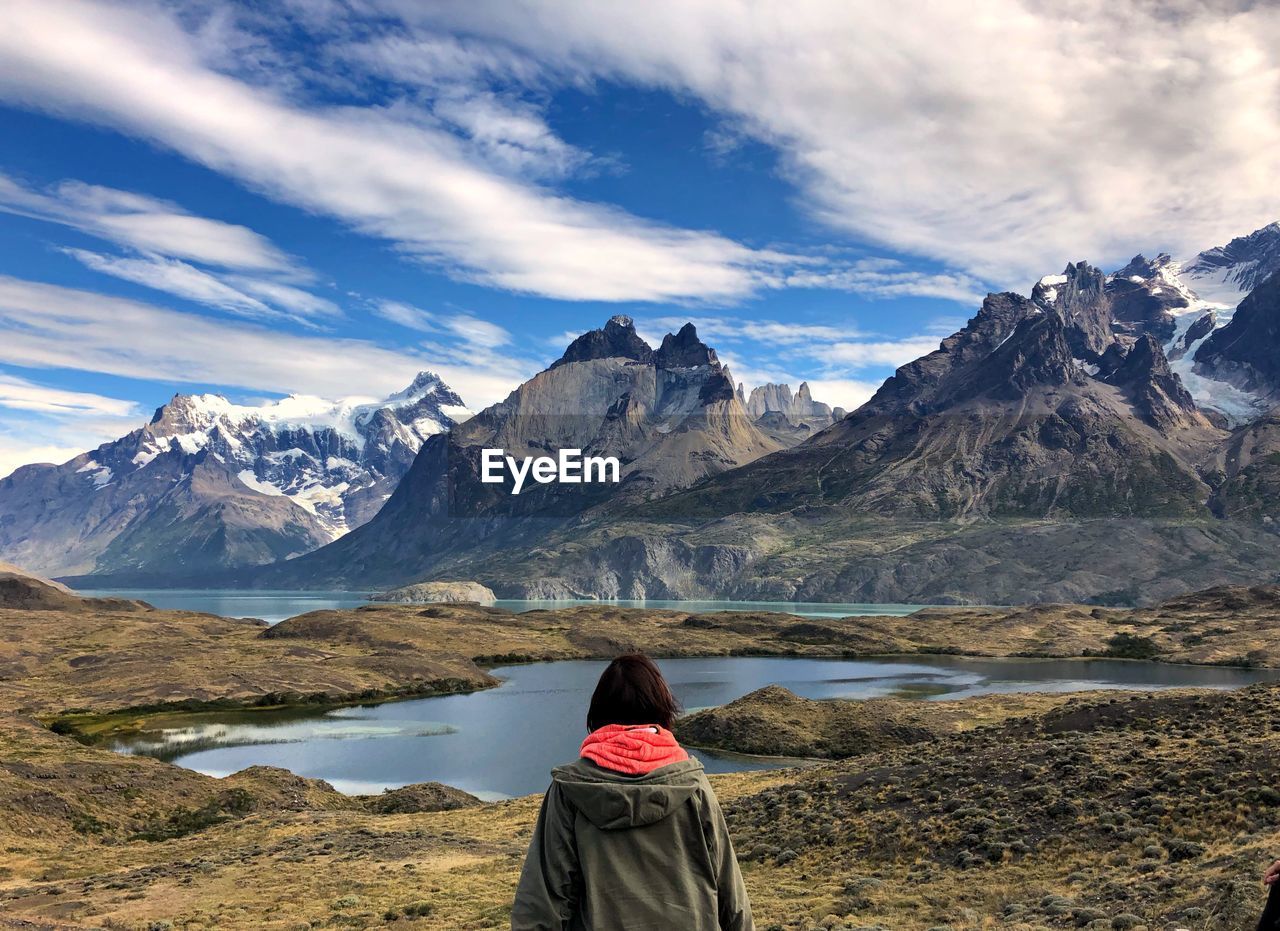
column 1113, row 811
column 109, row 656
column 1149, row 811
column 773, row 721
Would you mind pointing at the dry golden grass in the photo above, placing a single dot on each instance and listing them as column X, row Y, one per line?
column 1018, row 813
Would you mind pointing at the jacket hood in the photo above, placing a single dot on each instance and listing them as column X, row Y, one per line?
column 614, row 801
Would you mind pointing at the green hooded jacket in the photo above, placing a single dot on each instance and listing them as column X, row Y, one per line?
column 613, row 852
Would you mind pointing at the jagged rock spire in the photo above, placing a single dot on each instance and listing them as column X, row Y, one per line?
column 617, row 339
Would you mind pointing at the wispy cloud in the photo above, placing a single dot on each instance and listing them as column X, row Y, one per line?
column 244, row 273
column 135, row 69
column 892, row 353
column 473, row 332
column 47, row 424
column 145, row 224
column 177, row 278
column 45, row 326
column 20, row 394
column 886, row 278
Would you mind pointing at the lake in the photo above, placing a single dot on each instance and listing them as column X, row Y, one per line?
column 275, row 606
column 503, row 741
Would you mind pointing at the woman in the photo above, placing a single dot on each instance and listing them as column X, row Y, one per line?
column 631, row 837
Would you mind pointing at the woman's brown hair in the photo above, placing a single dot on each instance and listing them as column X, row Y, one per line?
column 632, row 691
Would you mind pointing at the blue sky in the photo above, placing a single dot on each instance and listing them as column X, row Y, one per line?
column 197, row 196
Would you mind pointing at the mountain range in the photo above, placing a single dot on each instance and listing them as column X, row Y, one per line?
column 208, row 485
column 1108, row 437
column 789, row 419
column 671, row 415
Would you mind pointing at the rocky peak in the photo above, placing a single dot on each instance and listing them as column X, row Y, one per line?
column 1141, row 267
column 1153, row 387
column 684, row 350
column 188, row 413
column 1146, row 296
column 425, row 383
column 777, row 398
column 617, row 339
column 1080, row 298
column 769, row 397
column 1225, row 273
column 1038, row 353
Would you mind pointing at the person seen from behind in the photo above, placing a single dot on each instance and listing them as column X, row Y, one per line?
column 630, row 836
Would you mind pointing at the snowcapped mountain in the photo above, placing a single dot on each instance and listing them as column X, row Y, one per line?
column 338, row 460
column 1185, row 304
column 1225, row 274
column 208, row 484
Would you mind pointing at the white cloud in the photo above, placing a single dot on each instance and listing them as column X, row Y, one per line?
column 474, row 333
column 177, row 278
column 849, row 393
column 887, row 278
column 16, row 451
column 45, row 326
column 20, row 394
column 286, row 296
column 144, row 223
column 161, row 237
column 133, row 68
column 892, row 353
column 510, row 135
column 47, row 424
column 477, row 332
column 415, row 318
column 431, row 61
column 1002, row 138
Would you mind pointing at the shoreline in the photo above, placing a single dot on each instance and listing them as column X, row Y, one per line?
column 94, row 728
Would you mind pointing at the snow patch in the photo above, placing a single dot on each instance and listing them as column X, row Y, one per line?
column 190, row 443
column 247, row 477
column 101, row 475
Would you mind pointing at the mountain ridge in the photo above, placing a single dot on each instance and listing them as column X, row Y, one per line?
column 206, row 484
column 1049, row 428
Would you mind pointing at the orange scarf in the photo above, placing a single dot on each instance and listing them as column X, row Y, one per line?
column 633, row 749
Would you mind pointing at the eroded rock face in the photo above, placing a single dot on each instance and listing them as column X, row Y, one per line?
column 788, row 418
column 439, row 592
column 671, row 417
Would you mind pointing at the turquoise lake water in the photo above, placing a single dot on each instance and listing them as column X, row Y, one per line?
column 275, row 606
